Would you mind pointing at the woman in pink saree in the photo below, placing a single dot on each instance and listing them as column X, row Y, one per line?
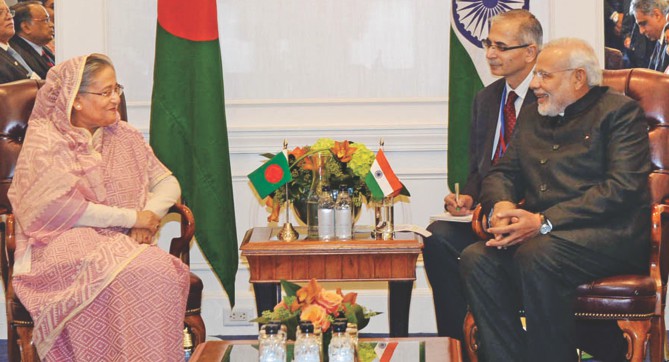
column 88, row 194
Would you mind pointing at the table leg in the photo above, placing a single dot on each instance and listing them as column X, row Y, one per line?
column 267, row 296
column 399, row 300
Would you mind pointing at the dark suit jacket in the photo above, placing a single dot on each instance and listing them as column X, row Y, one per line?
column 485, row 114
column 10, row 69
column 32, row 57
column 587, row 172
column 610, row 6
column 659, row 60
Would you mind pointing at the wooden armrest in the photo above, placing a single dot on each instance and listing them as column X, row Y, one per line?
column 658, row 212
column 8, row 244
column 180, row 246
column 480, row 224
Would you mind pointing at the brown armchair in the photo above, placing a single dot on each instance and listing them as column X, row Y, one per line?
column 636, row 302
column 16, row 103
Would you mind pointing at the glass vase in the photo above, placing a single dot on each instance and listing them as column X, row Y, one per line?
column 319, row 179
column 384, row 222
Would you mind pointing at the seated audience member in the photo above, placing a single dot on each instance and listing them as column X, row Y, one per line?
column 50, row 9
column 580, row 160
column 34, row 30
column 651, row 18
column 88, row 194
column 637, row 48
column 512, row 46
column 12, row 65
column 614, row 16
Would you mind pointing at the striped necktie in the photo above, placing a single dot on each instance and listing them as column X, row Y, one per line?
column 509, row 114
column 47, row 58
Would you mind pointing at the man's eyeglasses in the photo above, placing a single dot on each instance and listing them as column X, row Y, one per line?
column 118, row 89
column 487, row 44
column 3, row 12
column 548, row 75
column 44, row 20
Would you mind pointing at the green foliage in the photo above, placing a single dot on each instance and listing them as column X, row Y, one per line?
column 290, row 288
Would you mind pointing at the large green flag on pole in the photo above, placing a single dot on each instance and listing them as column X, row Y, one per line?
column 188, row 128
column 468, row 73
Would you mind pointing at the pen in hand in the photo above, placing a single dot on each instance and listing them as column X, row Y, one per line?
column 457, row 196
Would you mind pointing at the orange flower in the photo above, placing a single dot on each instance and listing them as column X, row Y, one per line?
column 308, row 293
column 317, row 315
column 295, row 305
column 298, row 152
column 276, row 209
column 306, row 163
column 343, row 151
column 348, row 298
column 281, row 305
column 329, row 300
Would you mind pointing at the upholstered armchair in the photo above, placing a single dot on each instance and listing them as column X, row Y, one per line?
column 16, row 103
column 636, row 302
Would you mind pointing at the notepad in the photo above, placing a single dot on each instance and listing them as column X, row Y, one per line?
column 446, row 216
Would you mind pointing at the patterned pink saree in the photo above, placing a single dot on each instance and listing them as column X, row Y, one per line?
column 93, row 293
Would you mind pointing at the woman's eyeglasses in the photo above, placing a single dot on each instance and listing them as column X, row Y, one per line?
column 118, row 89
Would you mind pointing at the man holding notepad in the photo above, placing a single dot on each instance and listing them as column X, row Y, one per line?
column 512, row 47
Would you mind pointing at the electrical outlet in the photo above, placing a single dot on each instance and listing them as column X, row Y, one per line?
column 237, row 317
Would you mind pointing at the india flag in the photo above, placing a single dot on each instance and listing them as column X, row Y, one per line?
column 381, row 180
column 468, row 73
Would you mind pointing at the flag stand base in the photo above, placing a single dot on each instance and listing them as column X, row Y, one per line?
column 288, row 233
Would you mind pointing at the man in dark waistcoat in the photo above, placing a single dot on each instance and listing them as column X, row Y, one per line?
column 580, row 160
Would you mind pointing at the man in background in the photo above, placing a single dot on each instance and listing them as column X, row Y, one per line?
column 512, row 46
column 651, row 18
column 12, row 65
column 34, row 30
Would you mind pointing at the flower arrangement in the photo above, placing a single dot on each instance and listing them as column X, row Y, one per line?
column 349, row 164
column 313, row 303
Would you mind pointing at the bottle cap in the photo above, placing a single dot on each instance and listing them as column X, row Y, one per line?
column 339, row 325
column 272, row 328
column 306, row 327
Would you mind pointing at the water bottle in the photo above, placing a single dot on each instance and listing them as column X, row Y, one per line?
column 343, row 215
column 188, row 345
column 352, row 330
column 341, row 347
column 272, row 345
column 307, row 348
column 326, row 217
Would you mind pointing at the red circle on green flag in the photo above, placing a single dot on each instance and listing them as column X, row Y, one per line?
column 191, row 20
column 273, row 173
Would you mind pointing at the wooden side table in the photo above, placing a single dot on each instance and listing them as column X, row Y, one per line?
column 360, row 259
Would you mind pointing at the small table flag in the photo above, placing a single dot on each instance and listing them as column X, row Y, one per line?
column 271, row 175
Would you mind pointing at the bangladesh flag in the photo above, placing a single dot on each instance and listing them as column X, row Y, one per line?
column 468, row 74
column 188, row 127
column 271, row 175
